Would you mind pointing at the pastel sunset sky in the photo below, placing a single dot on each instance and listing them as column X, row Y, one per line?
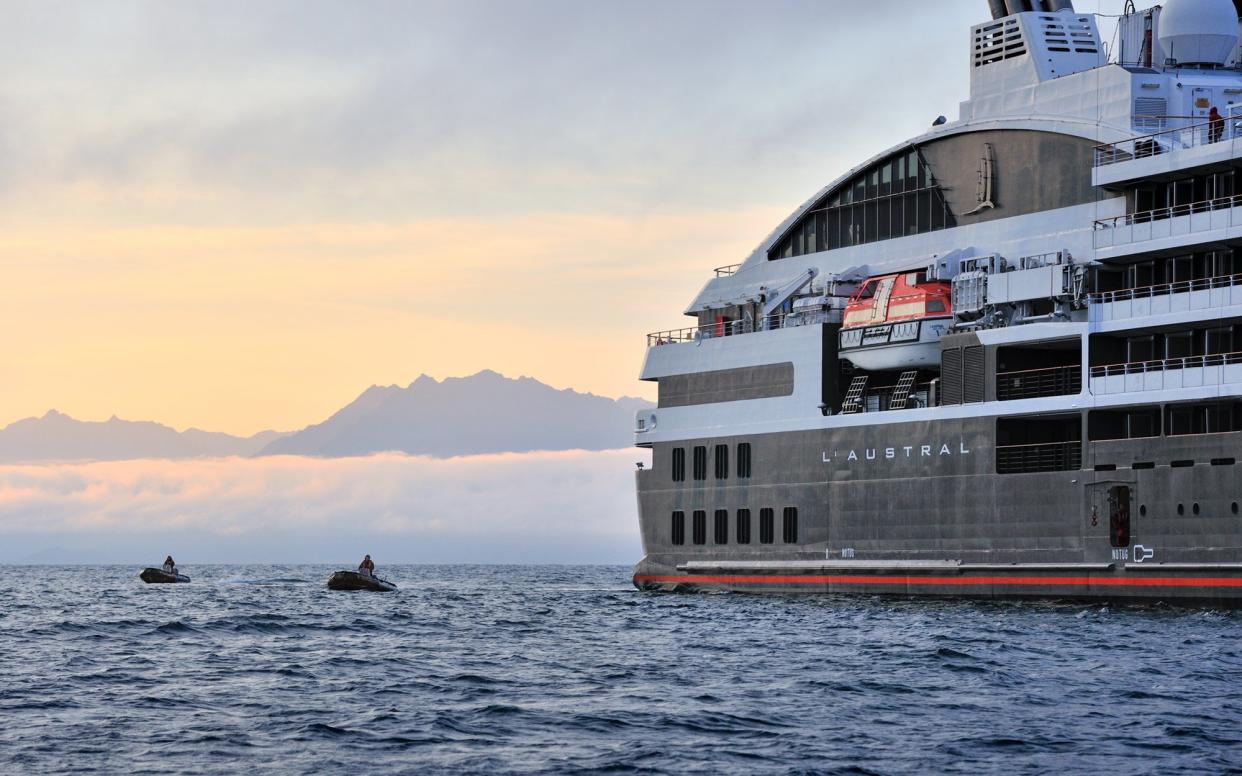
column 237, row 215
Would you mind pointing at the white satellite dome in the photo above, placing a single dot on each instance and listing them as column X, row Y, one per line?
column 1199, row 32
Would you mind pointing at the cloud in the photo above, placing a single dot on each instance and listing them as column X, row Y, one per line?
column 568, row 507
column 433, row 108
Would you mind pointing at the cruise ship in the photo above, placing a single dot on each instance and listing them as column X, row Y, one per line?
column 1001, row 359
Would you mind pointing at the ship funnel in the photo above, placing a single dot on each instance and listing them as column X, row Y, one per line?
column 1003, row 8
column 1199, row 32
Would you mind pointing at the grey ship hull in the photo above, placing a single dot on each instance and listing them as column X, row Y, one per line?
column 920, row 509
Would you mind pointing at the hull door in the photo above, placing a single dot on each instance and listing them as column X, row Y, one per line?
column 1110, row 529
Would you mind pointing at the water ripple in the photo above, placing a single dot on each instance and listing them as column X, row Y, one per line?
column 567, row 670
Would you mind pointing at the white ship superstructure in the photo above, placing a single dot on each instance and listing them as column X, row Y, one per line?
column 1002, row 358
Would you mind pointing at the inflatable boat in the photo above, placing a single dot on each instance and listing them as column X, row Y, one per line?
column 352, row 580
column 155, row 576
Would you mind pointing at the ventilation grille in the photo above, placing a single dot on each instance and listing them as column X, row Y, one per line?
column 998, row 41
column 1068, row 37
column 972, row 374
column 1150, row 113
column 951, row 376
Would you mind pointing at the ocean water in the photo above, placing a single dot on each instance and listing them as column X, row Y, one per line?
column 570, row 670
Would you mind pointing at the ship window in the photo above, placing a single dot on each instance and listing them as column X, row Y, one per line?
column 699, row 527
column 789, row 533
column 1142, row 510
column 1181, row 510
column 722, row 462
column 935, row 306
column 1179, row 345
column 722, row 526
column 679, row 528
column 743, row 526
column 743, row 460
column 679, row 464
column 1195, row 508
column 700, row 463
column 1140, row 348
column 895, row 197
column 767, row 526
column 1136, row 423
column 1217, row 341
column 1234, row 507
column 1141, row 275
column 1214, row 418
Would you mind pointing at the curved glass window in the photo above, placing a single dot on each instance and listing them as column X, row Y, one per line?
column 894, row 198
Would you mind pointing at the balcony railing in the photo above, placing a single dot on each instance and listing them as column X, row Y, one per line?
column 1166, row 364
column 724, row 272
column 1164, row 289
column 1045, row 457
column 1203, row 216
column 1190, row 136
column 1036, row 383
column 1166, row 298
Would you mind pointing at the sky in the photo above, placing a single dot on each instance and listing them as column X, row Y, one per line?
column 237, row 216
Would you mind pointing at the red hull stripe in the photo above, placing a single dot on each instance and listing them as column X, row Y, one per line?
column 934, row 581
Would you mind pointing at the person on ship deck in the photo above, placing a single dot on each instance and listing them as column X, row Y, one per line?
column 367, row 567
column 1216, row 125
column 170, row 565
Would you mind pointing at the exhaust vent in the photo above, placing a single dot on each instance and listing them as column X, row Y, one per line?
column 1068, row 34
column 998, row 41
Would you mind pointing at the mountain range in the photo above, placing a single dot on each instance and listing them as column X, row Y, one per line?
column 483, row 413
column 58, row 437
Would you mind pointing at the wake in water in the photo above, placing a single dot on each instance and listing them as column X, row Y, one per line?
column 266, row 581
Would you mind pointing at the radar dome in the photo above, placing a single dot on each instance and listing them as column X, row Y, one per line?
column 1199, row 32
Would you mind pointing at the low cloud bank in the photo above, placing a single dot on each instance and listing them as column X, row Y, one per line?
column 553, row 507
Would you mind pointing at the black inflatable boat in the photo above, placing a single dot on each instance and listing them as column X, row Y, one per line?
column 352, row 580
column 158, row 576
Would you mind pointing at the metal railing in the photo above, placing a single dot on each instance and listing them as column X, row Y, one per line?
column 724, row 272
column 1166, row 364
column 1164, row 289
column 716, row 330
column 1036, row 383
column 1169, row 140
column 1204, row 216
column 1045, row 457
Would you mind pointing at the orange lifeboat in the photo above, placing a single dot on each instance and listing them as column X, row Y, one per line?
column 896, row 321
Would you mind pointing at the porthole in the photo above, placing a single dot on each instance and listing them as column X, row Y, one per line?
column 1234, row 507
column 1181, row 510
column 1195, row 508
column 1142, row 510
